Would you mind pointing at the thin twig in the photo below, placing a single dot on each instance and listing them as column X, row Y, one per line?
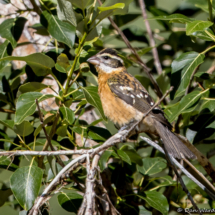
column 204, row 162
column 6, row 110
column 46, row 134
column 153, row 144
column 140, row 62
column 43, row 126
column 199, row 175
column 169, row 159
column 151, row 38
column 36, row 7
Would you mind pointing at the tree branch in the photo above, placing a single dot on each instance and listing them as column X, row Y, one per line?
column 153, row 144
column 204, row 162
column 39, row 202
column 172, row 164
column 6, row 110
column 151, row 38
column 46, row 153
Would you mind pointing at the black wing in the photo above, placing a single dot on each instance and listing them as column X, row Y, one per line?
column 129, row 89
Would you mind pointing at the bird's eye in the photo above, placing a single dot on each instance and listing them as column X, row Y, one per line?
column 106, row 57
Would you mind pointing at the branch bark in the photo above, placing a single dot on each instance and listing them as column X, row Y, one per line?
column 204, row 162
column 46, row 192
column 170, row 160
column 153, row 144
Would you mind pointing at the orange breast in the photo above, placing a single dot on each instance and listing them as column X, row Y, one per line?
column 115, row 109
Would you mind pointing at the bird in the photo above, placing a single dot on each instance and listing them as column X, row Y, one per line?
column 125, row 100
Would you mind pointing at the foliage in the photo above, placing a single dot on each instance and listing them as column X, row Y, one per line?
column 138, row 179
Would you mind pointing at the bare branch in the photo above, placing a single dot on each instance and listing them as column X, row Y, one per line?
column 6, row 110
column 39, row 202
column 212, row 195
column 199, row 176
column 46, row 153
column 90, row 193
column 170, row 160
column 204, row 162
column 151, row 38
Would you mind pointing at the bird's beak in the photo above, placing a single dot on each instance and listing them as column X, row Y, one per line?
column 94, row 60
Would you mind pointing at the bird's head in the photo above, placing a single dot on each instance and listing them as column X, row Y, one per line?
column 106, row 61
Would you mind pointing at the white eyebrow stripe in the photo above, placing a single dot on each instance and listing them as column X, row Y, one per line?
column 112, row 56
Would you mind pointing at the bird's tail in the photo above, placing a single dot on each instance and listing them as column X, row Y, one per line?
column 172, row 143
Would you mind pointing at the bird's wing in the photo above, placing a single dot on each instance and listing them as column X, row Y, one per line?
column 130, row 90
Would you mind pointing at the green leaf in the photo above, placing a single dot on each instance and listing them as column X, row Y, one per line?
column 6, row 163
column 143, row 211
column 61, row 31
column 62, row 63
column 26, row 105
column 121, row 10
column 8, row 123
column 203, row 35
column 209, row 103
column 133, row 155
column 124, row 156
column 176, row 18
column 25, row 184
column 62, row 130
column 180, row 79
column 157, row 201
column 104, row 159
column 164, row 181
column 23, row 129
column 92, row 97
column 95, row 32
column 70, row 201
column 67, row 114
column 187, row 102
column 198, row 25
column 3, row 53
column 143, row 51
column 65, row 12
column 152, row 166
column 81, row 3
column 31, row 87
column 47, row 120
column 41, row 64
column 92, row 132
column 115, row 6
column 5, row 31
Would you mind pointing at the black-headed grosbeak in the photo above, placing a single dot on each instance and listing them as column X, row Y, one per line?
column 125, row 100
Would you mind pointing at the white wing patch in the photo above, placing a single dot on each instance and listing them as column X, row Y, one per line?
column 125, row 88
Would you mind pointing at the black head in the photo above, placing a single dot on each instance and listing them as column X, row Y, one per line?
column 107, row 60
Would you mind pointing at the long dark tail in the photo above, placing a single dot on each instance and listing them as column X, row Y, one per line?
column 172, row 143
